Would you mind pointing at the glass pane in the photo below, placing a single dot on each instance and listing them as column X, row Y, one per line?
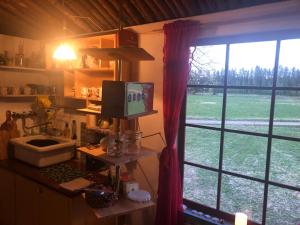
column 240, row 195
column 283, row 207
column 205, row 108
column 200, row 185
column 207, row 65
column 251, row 64
column 287, row 114
column 285, row 161
column 202, row 146
column 248, row 110
column 289, row 64
column 245, row 154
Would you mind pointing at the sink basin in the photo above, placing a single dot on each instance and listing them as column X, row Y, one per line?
column 42, row 150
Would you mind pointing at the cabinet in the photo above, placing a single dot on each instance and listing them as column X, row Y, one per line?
column 7, row 198
column 38, row 205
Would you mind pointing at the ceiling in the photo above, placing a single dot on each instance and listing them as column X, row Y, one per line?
column 43, row 19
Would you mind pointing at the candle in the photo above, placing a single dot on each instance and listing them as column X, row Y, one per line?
column 240, row 219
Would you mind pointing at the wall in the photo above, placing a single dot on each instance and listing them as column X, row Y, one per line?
column 270, row 17
column 10, row 79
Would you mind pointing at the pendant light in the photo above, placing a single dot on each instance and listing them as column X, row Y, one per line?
column 64, row 52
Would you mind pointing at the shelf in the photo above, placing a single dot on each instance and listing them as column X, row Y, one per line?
column 127, row 53
column 100, row 154
column 139, row 115
column 95, row 70
column 29, row 69
column 18, row 96
column 89, row 111
column 83, row 99
column 22, row 69
column 99, row 130
column 121, row 207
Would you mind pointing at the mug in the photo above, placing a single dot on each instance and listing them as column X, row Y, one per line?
column 83, row 92
column 3, row 91
column 27, row 91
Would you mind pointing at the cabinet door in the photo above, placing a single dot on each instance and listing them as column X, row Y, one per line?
column 7, row 198
column 26, row 202
column 54, row 208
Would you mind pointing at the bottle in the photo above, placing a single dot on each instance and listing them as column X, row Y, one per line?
column 66, row 131
column 74, row 130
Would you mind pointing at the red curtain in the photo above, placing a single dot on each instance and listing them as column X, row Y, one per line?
column 178, row 36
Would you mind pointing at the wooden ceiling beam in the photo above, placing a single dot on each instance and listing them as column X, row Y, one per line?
column 67, row 15
column 130, row 20
column 20, row 16
column 133, row 12
column 179, row 8
column 110, row 10
column 172, row 9
column 19, row 27
column 98, row 10
column 105, row 13
column 143, row 10
column 90, row 15
column 77, row 12
column 190, row 6
column 163, row 8
column 55, row 14
column 159, row 16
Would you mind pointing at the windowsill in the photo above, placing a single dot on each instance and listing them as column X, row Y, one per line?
column 204, row 219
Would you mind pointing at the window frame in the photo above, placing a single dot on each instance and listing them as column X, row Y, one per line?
column 277, row 36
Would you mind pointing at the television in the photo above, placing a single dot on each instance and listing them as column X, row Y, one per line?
column 121, row 99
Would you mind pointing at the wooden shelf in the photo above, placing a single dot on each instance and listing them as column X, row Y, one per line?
column 121, row 207
column 22, row 69
column 100, row 154
column 83, row 99
column 139, row 115
column 89, row 111
column 18, row 96
column 99, row 130
column 127, row 53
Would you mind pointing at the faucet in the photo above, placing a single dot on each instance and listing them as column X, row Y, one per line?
column 25, row 115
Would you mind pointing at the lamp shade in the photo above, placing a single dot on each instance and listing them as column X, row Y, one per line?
column 64, row 52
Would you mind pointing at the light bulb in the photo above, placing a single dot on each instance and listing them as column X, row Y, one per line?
column 64, row 52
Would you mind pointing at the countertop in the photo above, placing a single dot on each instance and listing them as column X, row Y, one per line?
column 35, row 174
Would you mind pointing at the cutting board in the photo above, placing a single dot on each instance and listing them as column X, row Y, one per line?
column 4, row 138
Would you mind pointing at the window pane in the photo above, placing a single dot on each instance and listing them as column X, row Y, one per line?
column 289, row 64
column 207, row 65
column 200, row 185
column 205, row 108
column 287, row 114
column 248, row 110
column 240, row 195
column 285, row 161
column 283, row 207
column 202, row 146
column 245, row 154
column 251, row 64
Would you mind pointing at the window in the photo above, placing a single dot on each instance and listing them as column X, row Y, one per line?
column 240, row 130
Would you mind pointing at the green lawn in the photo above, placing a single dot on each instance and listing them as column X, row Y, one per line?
column 246, row 155
column 209, row 106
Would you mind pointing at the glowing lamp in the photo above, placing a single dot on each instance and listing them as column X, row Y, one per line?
column 240, row 219
column 64, row 52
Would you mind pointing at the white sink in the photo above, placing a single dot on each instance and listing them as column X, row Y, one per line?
column 42, row 150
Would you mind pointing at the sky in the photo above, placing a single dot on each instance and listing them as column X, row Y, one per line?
column 250, row 55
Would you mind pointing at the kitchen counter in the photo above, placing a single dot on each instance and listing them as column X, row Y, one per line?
column 38, row 175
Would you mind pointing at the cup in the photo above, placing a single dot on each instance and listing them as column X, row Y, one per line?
column 84, row 92
column 27, row 91
column 3, row 91
column 15, row 90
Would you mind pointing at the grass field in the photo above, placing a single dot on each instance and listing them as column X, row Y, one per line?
column 246, row 155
